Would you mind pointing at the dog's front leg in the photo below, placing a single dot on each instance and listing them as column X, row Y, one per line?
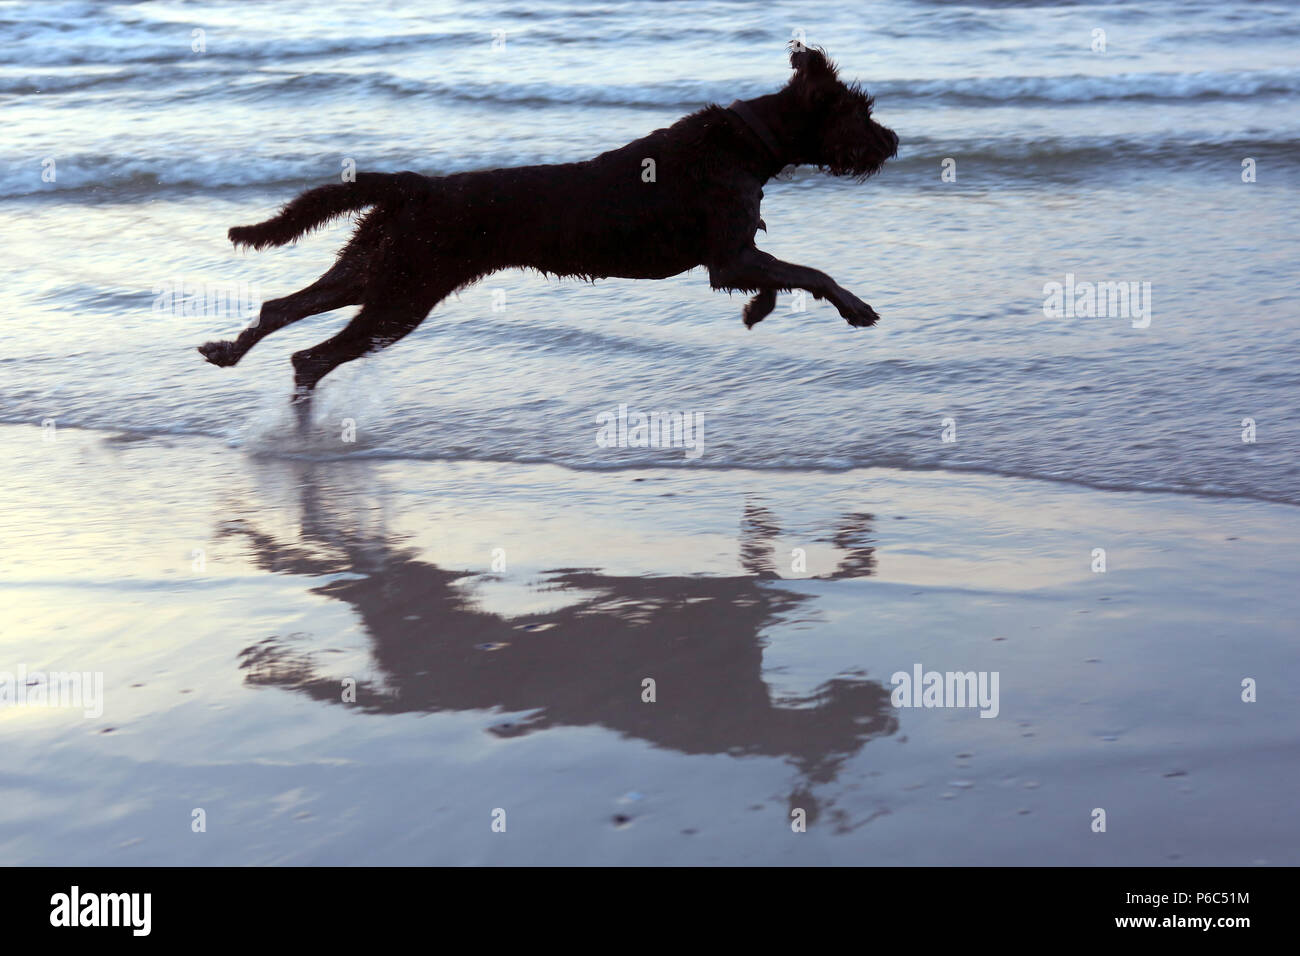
column 752, row 270
column 759, row 307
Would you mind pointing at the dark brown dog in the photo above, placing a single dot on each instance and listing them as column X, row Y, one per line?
column 681, row 197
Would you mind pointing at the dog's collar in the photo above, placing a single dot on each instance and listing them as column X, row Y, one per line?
column 760, row 129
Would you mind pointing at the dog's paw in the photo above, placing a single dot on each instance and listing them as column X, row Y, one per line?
column 219, row 353
column 857, row 313
column 863, row 319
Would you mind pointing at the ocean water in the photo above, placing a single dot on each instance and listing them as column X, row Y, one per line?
column 138, row 133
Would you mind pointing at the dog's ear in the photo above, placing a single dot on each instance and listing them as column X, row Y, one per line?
column 811, row 64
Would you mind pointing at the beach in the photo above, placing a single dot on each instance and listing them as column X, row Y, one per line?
column 227, row 599
column 590, row 573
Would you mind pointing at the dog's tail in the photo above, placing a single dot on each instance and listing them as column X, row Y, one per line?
column 318, row 206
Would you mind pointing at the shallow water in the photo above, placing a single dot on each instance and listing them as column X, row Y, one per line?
column 1122, row 165
column 499, row 623
column 453, row 535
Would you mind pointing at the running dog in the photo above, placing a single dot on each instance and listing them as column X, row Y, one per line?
column 682, row 197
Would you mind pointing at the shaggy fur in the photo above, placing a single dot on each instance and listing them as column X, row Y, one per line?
column 422, row 238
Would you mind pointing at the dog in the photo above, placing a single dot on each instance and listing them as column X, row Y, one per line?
column 679, row 198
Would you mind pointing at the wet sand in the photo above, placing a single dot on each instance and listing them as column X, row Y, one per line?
column 498, row 623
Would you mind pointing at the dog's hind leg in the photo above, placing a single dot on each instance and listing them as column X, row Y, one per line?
column 338, row 287
column 379, row 324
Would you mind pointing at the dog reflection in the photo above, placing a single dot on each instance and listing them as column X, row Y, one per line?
column 699, row 639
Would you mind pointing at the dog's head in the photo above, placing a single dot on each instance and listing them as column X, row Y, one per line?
column 837, row 132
